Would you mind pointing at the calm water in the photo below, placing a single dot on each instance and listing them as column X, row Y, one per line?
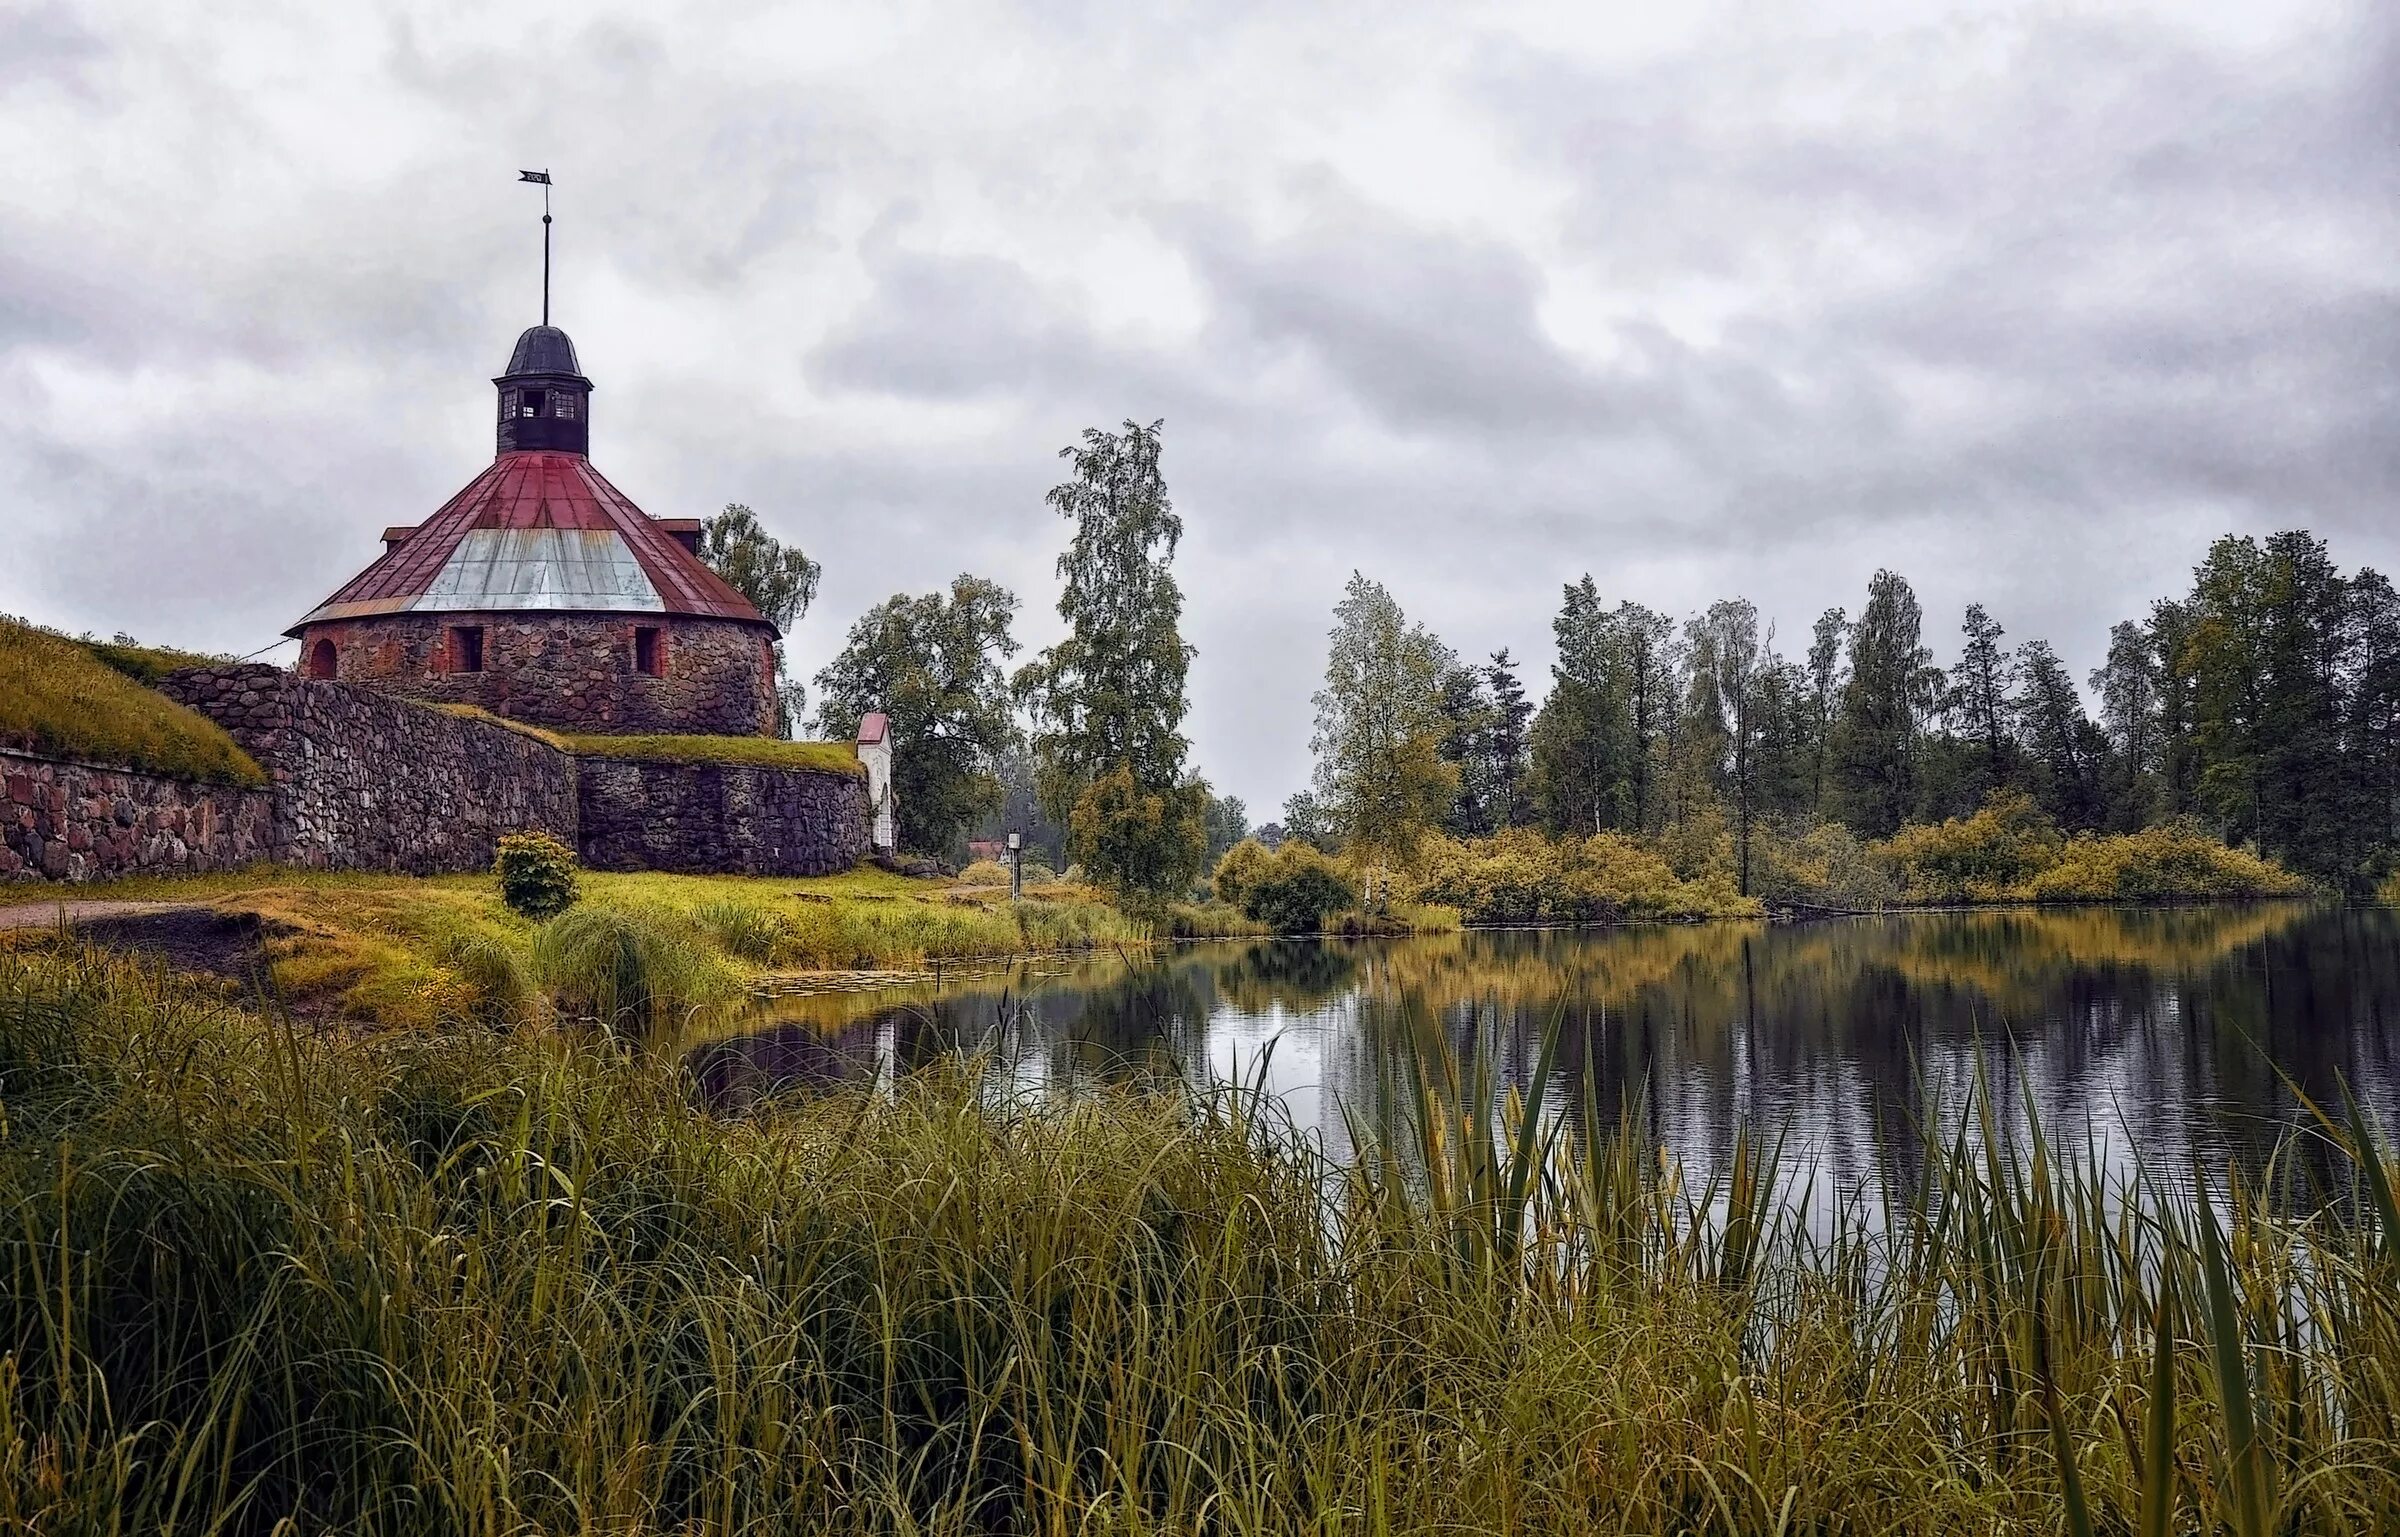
column 2160, row 1031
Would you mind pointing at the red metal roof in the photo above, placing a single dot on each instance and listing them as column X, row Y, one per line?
column 874, row 726
column 536, row 490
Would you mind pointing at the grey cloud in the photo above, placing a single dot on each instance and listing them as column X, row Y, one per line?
column 45, row 45
column 1425, row 329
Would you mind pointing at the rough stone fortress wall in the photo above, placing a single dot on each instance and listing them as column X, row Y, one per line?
column 571, row 672
column 369, row 781
column 719, row 818
column 67, row 821
column 365, row 781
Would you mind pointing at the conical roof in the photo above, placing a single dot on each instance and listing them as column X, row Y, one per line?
column 538, row 531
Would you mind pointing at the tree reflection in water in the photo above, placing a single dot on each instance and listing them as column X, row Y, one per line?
column 2170, row 1030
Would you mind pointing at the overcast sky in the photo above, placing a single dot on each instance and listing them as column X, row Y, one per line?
column 2027, row 303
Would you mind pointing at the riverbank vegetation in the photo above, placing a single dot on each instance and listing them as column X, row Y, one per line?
column 87, row 700
column 2007, row 852
column 520, row 1282
column 427, row 952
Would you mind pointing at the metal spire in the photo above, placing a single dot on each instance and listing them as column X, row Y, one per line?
column 544, row 178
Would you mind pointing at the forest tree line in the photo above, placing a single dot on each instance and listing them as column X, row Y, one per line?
column 2263, row 703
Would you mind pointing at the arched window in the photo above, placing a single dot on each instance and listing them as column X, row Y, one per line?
column 322, row 662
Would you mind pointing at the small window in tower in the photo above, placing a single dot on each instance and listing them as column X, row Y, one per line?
column 565, row 407
column 322, row 663
column 466, row 648
column 529, row 403
column 649, row 653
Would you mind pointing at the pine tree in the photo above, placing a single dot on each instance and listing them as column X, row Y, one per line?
column 1826, row 680
column 2131, row 712
column 1883, row 703
column 1982, row 684
column 2059, row 741
column 1506, row 745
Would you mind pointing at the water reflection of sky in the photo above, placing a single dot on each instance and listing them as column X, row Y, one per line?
column 2165, row 1031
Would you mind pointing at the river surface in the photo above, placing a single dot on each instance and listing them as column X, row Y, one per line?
column 2159, row 1033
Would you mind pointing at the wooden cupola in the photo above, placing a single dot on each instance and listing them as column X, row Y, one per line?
column 545, row 401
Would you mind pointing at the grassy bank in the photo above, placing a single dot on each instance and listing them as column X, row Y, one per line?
column 507, row 1283
column 422, row 952
column 88, row 700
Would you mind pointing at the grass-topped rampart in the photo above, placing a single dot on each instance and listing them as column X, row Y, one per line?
column 253, row 1274
column 753, row 751
column 65, row 698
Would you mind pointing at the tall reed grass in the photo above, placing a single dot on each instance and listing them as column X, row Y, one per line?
column 510, row 1283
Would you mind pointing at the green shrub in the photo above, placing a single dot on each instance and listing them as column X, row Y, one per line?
column 1824, row 865
column 1296, row 889
column 536, row 874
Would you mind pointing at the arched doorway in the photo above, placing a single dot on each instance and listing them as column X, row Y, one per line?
column 321, row 660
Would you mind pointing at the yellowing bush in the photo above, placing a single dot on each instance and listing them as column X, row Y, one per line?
column 2010, row 852
column 2175, row 860
column 1988, row 857
column 1519, row 876
column 1239, row 869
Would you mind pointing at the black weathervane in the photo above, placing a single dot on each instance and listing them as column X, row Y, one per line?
column 544, row 178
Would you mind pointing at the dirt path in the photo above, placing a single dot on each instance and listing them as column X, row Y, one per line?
column 186, row 935
column 44, row 915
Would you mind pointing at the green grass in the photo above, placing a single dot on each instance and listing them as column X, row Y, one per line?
column 759, row 751
column 514, row 1283
column 63, row 698
column 762, row 752
column 148, row 664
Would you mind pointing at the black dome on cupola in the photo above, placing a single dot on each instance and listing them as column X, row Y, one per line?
column 544, row 350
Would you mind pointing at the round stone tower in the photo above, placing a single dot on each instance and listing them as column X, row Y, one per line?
column 541, row 593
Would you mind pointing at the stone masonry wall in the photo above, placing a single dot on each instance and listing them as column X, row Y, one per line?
column 79, row 822
column 570, row 672
column 364, row 781
column 720, row 819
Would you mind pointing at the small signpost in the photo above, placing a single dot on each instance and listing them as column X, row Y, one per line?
column 1016, row 866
